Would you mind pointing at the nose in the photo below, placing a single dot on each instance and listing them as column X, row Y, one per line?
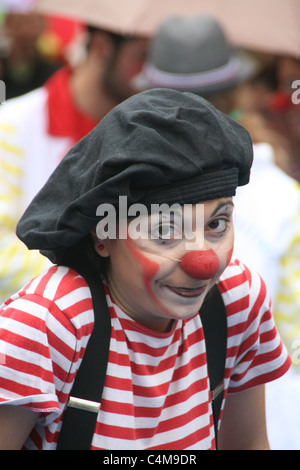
column 200, row 264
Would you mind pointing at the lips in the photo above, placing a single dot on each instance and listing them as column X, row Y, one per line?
column 188, row 291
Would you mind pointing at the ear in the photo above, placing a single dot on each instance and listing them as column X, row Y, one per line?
column 101, row 246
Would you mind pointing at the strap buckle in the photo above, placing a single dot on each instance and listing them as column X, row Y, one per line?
column 217, row 390
column 85, row 405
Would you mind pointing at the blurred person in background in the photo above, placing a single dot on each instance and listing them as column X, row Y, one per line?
column 24, row 67
column 284, row 113
column 273, row 98
column 193, row 54
column 270, row 111
column 37, row 129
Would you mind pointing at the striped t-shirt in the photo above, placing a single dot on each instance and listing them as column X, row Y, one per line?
column 156, row 393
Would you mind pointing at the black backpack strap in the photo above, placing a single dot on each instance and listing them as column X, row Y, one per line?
column 81, row 415
column 214, row 322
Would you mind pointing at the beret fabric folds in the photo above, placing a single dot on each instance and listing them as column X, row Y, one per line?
column 159, row 146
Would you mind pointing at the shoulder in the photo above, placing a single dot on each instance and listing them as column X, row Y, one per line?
column 60, row 292
column 18, row 116
column 44, row 330
column 236, row 280
column 24, row 104
column 255, row 354
column 55, row 282
column 242, row 289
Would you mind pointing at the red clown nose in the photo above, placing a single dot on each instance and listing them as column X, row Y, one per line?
column 200, row 264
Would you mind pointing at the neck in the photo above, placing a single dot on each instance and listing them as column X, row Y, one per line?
column 85, row 84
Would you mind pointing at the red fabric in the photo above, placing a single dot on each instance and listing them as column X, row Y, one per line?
column 65, row 29
column 65, row 120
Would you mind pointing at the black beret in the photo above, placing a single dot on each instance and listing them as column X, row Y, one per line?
column 159, row 146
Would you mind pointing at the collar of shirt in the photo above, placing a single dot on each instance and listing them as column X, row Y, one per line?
column 64, row 118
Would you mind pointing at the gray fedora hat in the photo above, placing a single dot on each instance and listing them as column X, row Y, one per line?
column 193, row 54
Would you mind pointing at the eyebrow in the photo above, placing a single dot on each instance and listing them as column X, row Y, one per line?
column 221, row 205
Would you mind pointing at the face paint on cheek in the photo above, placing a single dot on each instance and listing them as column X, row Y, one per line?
column 149, row 269
column 201, row 264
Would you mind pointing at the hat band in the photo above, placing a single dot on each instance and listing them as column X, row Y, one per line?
column 204, row 187
column 227, row 72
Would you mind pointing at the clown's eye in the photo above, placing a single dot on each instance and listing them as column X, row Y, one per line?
column 218, row 225
column 163, row 231
column 166, row 228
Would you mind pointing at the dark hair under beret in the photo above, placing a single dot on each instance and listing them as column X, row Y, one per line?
column 159, row 146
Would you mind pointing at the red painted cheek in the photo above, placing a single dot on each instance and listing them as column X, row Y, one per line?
column 201, row 264
column 149, row 268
